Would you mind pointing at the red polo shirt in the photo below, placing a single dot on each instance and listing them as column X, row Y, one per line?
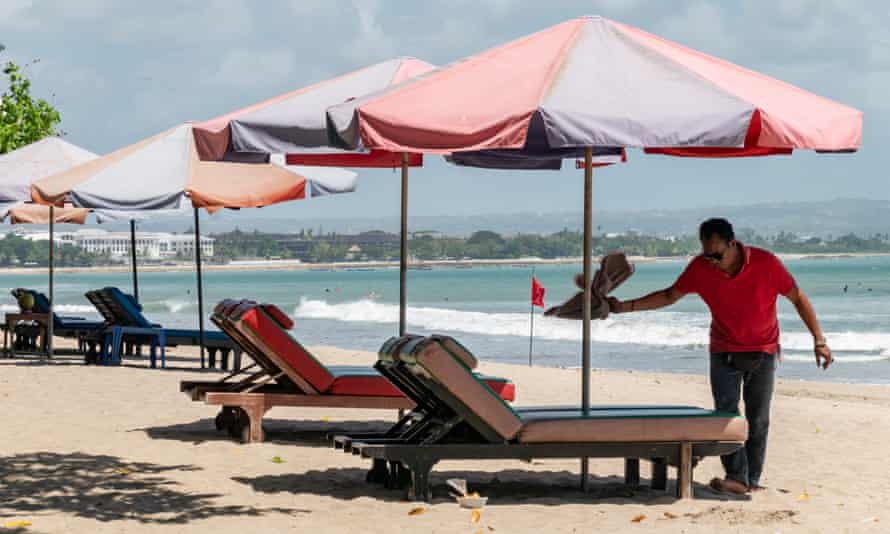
column 743, row 308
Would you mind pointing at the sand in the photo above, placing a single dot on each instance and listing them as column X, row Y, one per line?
column 119, row 449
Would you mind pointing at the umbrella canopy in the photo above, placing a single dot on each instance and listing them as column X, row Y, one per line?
column 594, row 82
column 21, row 167
column 160, row 172
column 30, row 213
column 294, row 123
column 164, row 172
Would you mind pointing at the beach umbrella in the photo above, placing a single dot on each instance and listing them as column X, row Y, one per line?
column 164, row 173
column 294, row 124
column 21, row 167
column 592, row 83
column 18, row 170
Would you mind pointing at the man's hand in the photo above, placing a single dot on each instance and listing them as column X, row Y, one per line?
column 823, row 356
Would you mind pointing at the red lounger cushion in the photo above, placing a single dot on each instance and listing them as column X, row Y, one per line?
column 504, row 388
column 286, row 322
column 287, row 348
column 362, row 383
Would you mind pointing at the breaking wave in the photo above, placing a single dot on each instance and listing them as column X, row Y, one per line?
column 666, row 329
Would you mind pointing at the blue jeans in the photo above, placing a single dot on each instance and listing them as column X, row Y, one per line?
column 755, row 387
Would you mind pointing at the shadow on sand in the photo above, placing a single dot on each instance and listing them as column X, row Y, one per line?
column 107, row 488
column 282, row 431
column 506, row 487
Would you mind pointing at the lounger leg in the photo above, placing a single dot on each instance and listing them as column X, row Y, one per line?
column 659, row 474
column 379, row 472
column 236, row 366
column 632, row 471
column 420, row 489
column 252, row 428
column 684, row 472
column 399, row 476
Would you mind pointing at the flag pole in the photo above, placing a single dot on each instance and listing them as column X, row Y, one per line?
column 531, row 315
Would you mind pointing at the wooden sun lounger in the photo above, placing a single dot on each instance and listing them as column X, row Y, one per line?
column 473, row 423
column 286, row 374
column 273, row 380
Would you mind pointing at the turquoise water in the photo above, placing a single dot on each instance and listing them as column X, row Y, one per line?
column 488, row 309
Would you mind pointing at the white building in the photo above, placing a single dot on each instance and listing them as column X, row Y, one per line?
column 149, row 245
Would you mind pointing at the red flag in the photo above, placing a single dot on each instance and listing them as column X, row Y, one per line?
column 537, row 293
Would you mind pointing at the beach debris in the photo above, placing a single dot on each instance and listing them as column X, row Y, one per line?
column 419, row 510
column 475, row 516
column 871, row 520
column 17, row 523
column 459, row 490
column 277, row 460
column 458, row 486
column 123, row 471
column 783, row 490
column 803, row 497
column 639, row 518
column 668, row 515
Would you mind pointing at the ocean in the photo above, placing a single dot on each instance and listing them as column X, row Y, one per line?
column 487, row 308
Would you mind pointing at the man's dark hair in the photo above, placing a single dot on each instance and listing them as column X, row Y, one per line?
column 718, row 227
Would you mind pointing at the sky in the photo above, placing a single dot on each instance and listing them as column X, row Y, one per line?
column 121, row 71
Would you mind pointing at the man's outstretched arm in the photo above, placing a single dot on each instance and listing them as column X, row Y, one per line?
column 808, row 316
column 652, row 301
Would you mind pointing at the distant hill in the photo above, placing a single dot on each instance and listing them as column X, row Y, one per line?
column 824, row 218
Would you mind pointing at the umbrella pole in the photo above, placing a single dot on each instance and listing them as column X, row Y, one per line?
column 403, row 246
column 133, row 259
column 200, row 284
column 585, row 306
column 50, row 321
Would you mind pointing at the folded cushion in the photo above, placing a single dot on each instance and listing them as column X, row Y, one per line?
column 475, row 395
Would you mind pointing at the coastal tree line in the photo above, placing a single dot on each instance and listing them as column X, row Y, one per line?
column 486, row 244
column 16, row 251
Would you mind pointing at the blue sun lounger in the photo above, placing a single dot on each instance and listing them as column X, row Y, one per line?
column 126, row 325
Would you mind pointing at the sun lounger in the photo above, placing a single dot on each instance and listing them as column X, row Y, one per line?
column 474, row 423
column 78, row 328
column 124, row 312
column 286, row 374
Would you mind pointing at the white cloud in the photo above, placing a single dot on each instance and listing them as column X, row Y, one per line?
column 14, row 13
column 370, row 42
column 254, row 67
column 701, row 26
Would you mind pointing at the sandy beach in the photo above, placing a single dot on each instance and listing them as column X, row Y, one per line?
column 119, row 449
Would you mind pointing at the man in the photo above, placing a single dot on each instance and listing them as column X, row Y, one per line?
column 740, row 285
